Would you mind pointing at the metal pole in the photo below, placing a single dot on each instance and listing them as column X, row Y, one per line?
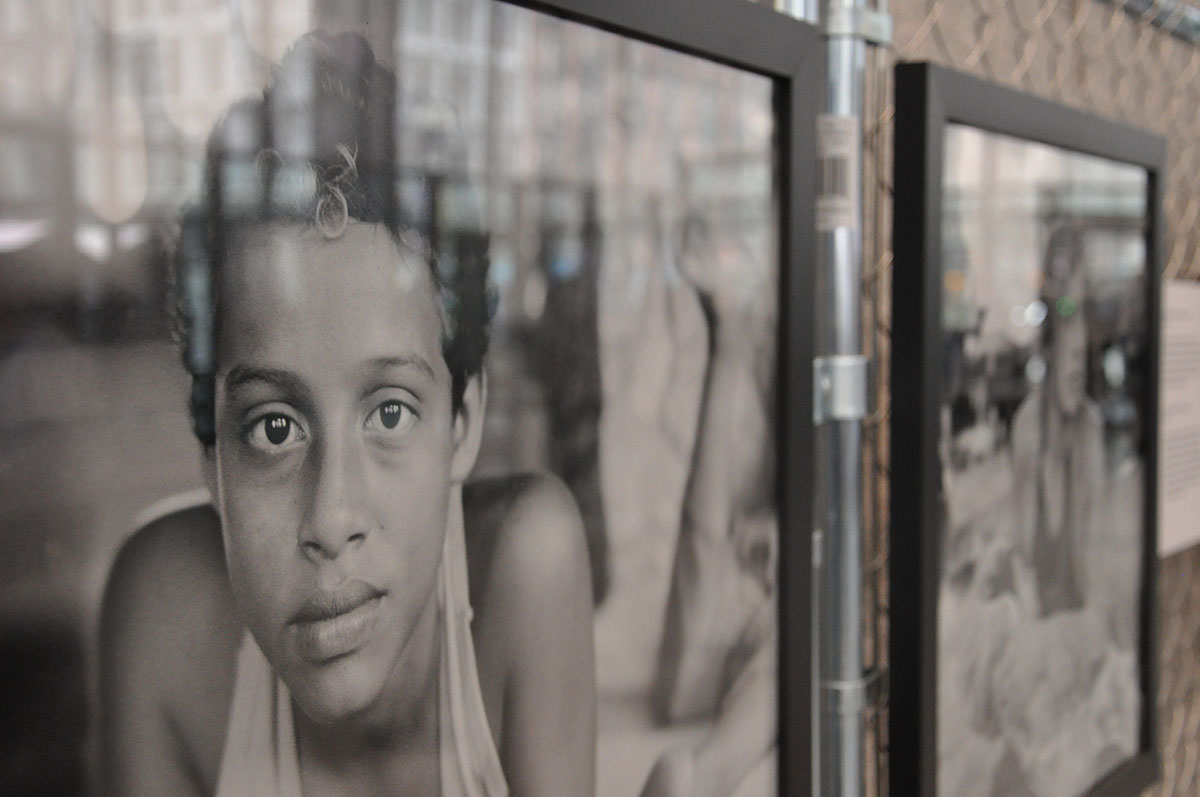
column 840, row 376
column 840, row 453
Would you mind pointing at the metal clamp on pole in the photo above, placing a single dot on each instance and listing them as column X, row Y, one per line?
column 851, row 697
column 840, row 388
column 858, row 22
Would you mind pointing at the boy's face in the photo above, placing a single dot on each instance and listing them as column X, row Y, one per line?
column 335, row 456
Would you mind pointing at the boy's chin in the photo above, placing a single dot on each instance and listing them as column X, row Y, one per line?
column 337, row 692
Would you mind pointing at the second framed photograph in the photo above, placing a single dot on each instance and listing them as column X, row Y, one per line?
column 1023, row 442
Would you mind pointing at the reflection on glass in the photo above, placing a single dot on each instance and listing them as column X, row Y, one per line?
column 1044, row 358
column 626, row 196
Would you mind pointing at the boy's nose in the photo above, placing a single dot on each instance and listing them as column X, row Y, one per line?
column 337, row 517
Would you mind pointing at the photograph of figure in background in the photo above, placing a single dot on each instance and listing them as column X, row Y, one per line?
column 1045, row 345
column 597, row 219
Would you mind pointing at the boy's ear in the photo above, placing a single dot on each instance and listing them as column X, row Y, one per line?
column 468, row 428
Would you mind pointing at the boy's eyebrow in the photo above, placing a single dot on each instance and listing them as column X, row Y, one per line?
column 241, row 375
column 405, row 361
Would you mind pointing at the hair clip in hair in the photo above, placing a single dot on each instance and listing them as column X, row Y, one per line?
column 1066, row 306
column 333, row 209
column 333, row 213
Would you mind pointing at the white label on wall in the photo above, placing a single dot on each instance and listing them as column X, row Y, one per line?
column 1179, row 419
column 838, row 175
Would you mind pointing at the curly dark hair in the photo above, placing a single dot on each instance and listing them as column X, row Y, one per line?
column 319, row 148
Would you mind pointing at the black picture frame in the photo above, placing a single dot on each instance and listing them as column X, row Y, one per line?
column 758, row 39
column 928, row 99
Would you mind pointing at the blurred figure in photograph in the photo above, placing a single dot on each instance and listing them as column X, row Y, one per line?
column 351, row 613
column 1058, row 449
column 718, row 657
column 1045, row 664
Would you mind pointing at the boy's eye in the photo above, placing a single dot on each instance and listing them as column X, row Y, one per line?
column 391, row 417
column 278, row 428
column 274, row 431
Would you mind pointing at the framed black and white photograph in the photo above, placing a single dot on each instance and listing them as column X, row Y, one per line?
column 406, row 397
column 1023, row 444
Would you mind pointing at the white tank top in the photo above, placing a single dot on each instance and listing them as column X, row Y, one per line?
column 260, row 756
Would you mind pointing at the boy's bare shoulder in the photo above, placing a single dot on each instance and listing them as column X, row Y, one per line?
column 525, row 549
column 175, row 563
column 532, row 595
column 523, row 530
column 168, row 639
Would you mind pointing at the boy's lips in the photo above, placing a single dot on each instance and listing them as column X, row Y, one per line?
column 334, row 623
column 327, row 604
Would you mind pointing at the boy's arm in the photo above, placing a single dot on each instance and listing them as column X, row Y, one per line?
column 730, row 480
column 162, row 698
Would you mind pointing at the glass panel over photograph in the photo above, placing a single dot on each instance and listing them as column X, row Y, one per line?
column 1042, row 418
column 251, row 464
